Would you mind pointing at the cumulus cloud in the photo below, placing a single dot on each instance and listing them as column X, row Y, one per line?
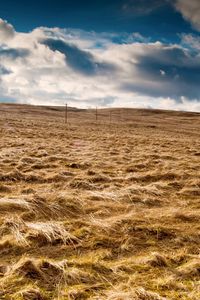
column 191, row 41
column 181, row 72
column 6, row 30
column 190, row 9
column 53, row 65
column 13, row 52
column 4, row 71
column 80, row 60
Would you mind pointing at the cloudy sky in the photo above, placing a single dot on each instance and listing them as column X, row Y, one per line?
column 108, row 53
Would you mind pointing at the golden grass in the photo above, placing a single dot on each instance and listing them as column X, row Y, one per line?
column 99, row 211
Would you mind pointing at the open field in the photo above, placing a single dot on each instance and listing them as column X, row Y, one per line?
column 99, row 210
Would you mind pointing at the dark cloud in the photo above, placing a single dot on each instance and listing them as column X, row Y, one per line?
column 13, row 52
column 141, row 7
column 80, row 60
column 167, row 72
column 4, row 71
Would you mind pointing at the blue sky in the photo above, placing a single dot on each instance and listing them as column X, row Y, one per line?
column 136, row 53
column 156, row 18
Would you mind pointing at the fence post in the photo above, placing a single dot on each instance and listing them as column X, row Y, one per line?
column 66, row 114
column 121, row 115
column 96, row 114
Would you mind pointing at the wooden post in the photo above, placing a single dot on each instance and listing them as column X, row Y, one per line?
column 66, row 114
column 96, row 114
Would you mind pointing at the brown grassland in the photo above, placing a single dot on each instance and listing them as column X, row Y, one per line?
column 99, row 210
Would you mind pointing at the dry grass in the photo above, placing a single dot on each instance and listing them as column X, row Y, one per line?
column 97, row 210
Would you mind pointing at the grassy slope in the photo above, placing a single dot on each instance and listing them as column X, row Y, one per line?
column 99, row 210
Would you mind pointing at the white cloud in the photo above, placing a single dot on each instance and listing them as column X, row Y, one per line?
column 190, row 10
column 136, row 73
column 6, row 31
column 191, row 41
column 162, row 73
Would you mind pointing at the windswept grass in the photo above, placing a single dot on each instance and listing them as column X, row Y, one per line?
column 99, row 211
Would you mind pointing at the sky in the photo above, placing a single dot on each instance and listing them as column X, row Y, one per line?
column 114, row 53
